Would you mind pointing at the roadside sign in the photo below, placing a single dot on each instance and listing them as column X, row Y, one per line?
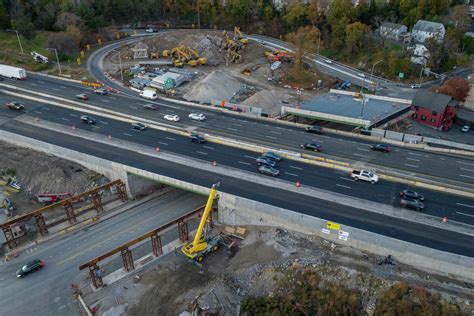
column 401, row 75
column 332, row 225
column 78, row 60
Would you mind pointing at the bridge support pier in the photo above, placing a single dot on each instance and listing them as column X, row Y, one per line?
column 156, row 245
column 183, row 231
column 71, row 217
column 122, row 192
column 7, row 231
column 127, row 260
column 41, row 224
column 96, row 276
column 97, row 201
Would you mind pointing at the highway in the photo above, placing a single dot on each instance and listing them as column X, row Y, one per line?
column 401, row 229
column 405, row 161
column 48, row 292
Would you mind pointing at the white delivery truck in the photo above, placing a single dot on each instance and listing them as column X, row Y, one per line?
column 149, row 94
column 12, row 72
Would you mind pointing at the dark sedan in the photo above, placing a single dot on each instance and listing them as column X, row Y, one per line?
column 17, row 106
column 314, row 129
column 312, row 146
column 412, row 203
column 195, row 138
column 139, row 126
column 30, row 267
column 380, row 147
column 412, row 195
column 271, row 155
column 268, row 170
column 265, row 161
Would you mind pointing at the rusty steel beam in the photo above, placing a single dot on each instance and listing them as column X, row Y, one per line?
column 156, row 246
column 96, row 276
column 122, row 192
column 97, row 201
column 71, row 217
column 160, row 230
column 7, row 231
column 183, row 231
column 127, row 259
column 41, row 224
column 62, row 202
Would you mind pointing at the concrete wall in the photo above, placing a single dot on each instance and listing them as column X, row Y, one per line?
column 141, row 186
column 394, row 135
column 239, row 211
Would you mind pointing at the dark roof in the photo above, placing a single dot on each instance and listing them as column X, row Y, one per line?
column 431, row 100
column 393, row 26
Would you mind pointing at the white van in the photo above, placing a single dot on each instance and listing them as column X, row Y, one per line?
column 149, row 94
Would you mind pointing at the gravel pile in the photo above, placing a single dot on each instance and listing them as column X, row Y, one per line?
column 218, row 85
column 268, row 101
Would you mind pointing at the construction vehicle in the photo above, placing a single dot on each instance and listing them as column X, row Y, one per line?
column 345, row 85
column 50, row 198
column 39, row 58
column 154, row 55
column 203, row 243
column 238, row 36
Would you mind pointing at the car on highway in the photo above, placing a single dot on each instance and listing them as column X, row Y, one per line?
column 328, row 61
column 171, row 117
column 139, row 126
column 380, row 147
column 360, row 74
column 412, row 194
column 197, row 116
column 150, row 30
column 411, row 203
column 415, row 86
column 268, row 170
column 82, row 96
column 364, row 175
column 465, row 128
column 101, row 91
column 88, row 119
column 314, row 129
column 14, row 105
column 196, row 138
column 150, row 107
column 271, row 155
column 31, row 266
column 312, row 146
column 264, row 161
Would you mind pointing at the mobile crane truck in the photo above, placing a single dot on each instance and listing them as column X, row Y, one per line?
column 203, row 243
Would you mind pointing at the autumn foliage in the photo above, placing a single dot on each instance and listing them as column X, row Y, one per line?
column 456, row 87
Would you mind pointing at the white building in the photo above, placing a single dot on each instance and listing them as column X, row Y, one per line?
column 423, row 30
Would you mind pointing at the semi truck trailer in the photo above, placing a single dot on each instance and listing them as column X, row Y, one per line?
column 12, row 72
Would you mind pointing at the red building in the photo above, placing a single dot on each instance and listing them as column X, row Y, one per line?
column 434, row 109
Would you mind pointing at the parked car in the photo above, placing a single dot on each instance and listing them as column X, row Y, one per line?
column 88, row 119
column 364, row 175
column 139, row 126
column 171, row 117
column 380, row 147
column 412, row 194
column 269, row 170
column 150, row 107
column 14, row 105
column 314, row 129
column 264, row 161
column 101, row 91
column 312, row 146
column 271, row 155
column 197, row 116
column 196, row 138
column 412, row 203
column 31, row 266
column 82, row 96
column 465, row 128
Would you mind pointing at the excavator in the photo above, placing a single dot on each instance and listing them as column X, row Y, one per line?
column 238, row 36
column 203, row 243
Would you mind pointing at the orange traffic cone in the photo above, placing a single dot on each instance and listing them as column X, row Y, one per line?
column 157, row 149
column 73, row 128
column 214, row 163
column 298, row 184
column 37, row 119
column 110, row 137
column 445, row 220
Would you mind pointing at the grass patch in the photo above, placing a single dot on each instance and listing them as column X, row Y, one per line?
column 10, row 52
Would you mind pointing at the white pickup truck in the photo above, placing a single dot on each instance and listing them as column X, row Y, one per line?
column 364, row 175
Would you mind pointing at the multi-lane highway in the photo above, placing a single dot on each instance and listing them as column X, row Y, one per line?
column 457, row 170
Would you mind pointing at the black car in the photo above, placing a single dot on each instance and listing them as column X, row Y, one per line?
column 411, row 203
column 196, row 138
column 312, row 146
column 150, row 107
column 412, row 195
column 34, row 265
column 265, row 161
column 17, row 106
column 139, row 126
column 314, row 129
column 272, row 156
column 88, row 119
column 380, row 147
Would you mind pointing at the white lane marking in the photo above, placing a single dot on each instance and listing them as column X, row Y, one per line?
column 408, row 165
column 33, row 84
column 41, row 81
column 244, row 163
column 471, row 170
column 415, row 154
column 201, row 152
column 64, row 119
column 343, row 186
column 208, row 147
column 465, row 214
column 465, row 176
column 55, row 89
column 113, row 98
column 126, row 134
column 103, row 100
column 73, row 115
column 318, row 140
column 279, row 127
column 362, row 149
column 347, row 179
column 274, row 132
column 38, row 112
column 250, row 157
column 231, row 129
column 291, row 174
column 412, row 159
column 465, row 163
column 360, row 155
column 45, row 108
column 61, row 307
column 297, row 168
column 134, row 107
column 466, row 205
column 166, row 144
column 63, row 87
column 237, row 124
column 442, row 158
column 104, row 122
column 324, row 136
column 271, row 137
column 170, row 138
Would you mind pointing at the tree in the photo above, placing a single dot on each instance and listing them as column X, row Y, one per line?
column 306, row 39
column 355, row 37
column 296, row 16
column 4, row 16
column 338, row 10
column 409, row 12
column 460, row 18
column 338, row 35
column 456, row 87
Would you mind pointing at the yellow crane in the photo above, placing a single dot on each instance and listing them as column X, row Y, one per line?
column 203, row 244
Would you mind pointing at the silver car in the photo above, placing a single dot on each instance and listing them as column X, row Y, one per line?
column 268, row 170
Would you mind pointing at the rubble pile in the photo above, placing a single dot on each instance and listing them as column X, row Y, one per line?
column 218, row 85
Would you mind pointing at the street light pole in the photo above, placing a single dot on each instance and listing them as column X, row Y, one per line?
column 319, row 41
column 372, row 72
column 18, row 37
column 57, row 58
column 120, row 62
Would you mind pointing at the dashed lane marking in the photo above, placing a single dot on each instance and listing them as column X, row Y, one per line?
column 343, row 186
column 165, row 144
column 413, row 159
column 126, row 134
column 297, row 168
column 291, row 174
column 104, row 122
column 250, row 157
column 208, row 147
column 346, row 179
column 73, row 115
column 201, row 152
column 170, row 138
column 244, row 163
column 231, row 129
column 465, row 214
column 470, row 170
column 38, row 112
column 465, row 163
column 64, row 119
column 271, row 137
column 466, row 205
column 408, row 165
column 466, row 176
column 414, row 154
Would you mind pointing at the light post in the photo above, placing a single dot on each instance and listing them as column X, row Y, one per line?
column 319, row 41
column 372, row 73
column 121, row 69
column 18, row 37
column 57, row 58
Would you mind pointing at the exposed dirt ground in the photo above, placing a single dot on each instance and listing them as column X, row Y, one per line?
column 264, row 258
column 40, row 173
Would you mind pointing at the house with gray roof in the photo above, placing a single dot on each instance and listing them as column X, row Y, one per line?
column 394, row 31
column 423, row 30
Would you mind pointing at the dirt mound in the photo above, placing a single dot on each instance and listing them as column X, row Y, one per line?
column 218, row 85
column 268, row 101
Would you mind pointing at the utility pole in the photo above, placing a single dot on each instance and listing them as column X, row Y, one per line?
column 121, row 69
column 57, row 58
column 319, row 41
column 18, row 37
column 372, row 72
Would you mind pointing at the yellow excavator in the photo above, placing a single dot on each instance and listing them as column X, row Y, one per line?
column 238, row 36
column 203, row 243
